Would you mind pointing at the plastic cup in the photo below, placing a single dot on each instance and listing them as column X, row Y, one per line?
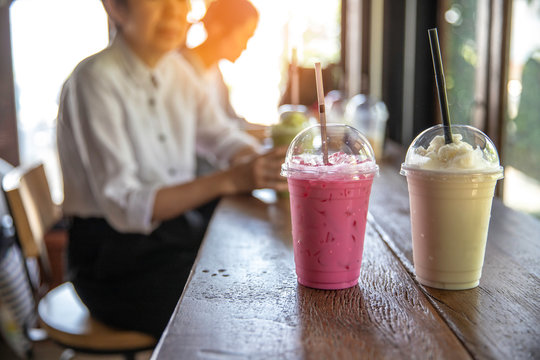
column 292, row 120
column 329, row 204
column 368, row 115
column 335, row 107
column 450, row 203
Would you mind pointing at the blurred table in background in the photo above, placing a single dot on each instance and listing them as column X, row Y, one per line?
column 243, row 300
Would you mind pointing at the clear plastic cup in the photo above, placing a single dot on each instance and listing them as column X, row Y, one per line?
column 329, row 204
column 451, row 191
column 292, row 120
column 335, row 107
column 369, row 115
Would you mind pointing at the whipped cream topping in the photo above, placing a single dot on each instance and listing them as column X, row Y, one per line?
column 458, row 155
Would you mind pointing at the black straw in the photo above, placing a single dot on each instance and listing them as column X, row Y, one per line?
column 441, row 83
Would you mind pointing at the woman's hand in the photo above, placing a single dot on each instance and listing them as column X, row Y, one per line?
column 250, row 172
column 259, row 172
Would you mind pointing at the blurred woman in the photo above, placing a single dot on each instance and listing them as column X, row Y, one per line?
column 131, row 119
column 229, row 25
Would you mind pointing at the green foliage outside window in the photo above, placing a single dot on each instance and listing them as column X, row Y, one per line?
column 460, row 58
column 522, row 149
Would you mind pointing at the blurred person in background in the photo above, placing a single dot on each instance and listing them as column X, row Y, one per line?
column 229, row 24
column 131, row 120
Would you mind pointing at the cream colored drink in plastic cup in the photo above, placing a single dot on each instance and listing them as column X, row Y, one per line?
column 451, row 189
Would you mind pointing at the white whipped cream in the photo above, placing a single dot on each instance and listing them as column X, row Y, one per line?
column 457, row 155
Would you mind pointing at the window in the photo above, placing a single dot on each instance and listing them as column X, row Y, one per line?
column 49, row 38
column 460, row 43
column 521, row 149
column 312, row 27
column 491, row 55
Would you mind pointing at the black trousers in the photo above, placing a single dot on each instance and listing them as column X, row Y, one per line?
column 134, row 281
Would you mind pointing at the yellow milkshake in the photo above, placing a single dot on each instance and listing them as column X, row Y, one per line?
column 451, row 188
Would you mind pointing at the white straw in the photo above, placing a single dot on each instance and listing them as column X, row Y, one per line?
column 322, row 112
column 318, row 80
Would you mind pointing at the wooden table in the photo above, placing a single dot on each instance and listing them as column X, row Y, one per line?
column 243, row 300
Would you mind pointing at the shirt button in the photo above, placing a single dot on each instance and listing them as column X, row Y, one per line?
column 151, row 102
column 162, row 137
column 172, row 171
column 154, row 81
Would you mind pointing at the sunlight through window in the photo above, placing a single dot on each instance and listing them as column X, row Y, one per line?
column 257, row 79
column 49, row 38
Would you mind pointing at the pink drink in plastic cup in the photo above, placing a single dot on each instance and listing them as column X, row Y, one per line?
column 329, row 205
column 329, row 223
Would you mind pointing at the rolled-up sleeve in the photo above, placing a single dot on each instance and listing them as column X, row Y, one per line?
column 92, row 112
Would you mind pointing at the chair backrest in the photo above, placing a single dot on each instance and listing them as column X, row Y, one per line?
column 34, row 212
column 17, row 304
column 61, row 312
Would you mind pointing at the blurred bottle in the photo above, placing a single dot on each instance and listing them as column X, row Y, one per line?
column 369, row 115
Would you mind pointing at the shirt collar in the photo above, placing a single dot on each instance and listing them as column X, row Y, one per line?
column 134, row 67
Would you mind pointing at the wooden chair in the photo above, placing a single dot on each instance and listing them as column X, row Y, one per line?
column 61, row 313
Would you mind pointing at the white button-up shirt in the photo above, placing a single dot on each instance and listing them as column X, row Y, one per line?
column 125, row 130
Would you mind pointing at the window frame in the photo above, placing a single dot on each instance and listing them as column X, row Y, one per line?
column 408, row 114
column 9, row 143
column 410, row 90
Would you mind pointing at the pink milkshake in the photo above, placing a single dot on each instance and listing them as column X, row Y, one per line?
column 329, row 204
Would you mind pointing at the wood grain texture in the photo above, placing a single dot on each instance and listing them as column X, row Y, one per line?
column 500, row 319
column 243, row 300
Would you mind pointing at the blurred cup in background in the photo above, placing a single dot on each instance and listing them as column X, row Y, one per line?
column 369, row 115
column 292, row 120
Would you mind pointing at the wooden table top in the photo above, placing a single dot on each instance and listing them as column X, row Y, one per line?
column 243, row 300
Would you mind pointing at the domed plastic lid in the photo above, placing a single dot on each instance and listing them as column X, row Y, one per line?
column 350, row 155
column 471, row 152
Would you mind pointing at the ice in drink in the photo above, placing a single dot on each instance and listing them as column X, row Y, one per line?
column 329, row 204
column 451, row 188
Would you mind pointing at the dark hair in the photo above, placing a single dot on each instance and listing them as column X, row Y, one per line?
column 230, row 13
column 121, row 2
